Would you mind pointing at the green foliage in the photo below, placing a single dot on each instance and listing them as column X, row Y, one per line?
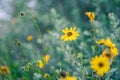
column 44, row 20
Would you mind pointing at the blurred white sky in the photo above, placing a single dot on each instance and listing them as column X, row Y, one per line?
column 5, row 9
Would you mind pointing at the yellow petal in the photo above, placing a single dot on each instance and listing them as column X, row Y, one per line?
column 46, row 58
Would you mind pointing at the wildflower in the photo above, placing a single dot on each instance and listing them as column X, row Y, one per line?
column 4, row 70
column 46, row 58
column 109, row 43
column 91, row 15
column 29, row 66
column 23, row 68
column 101, row 41
column 21, row 13
column 114, row 50
column 29, row 38
column 69, row 34
column 100, row 64
column 108, row 54
column 17, row 42
column 65, row 76
column 46, row 75
column 41, row 63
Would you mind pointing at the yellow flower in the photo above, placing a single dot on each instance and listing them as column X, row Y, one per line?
column 114, row 50
column 108, row 54
column 69, row 34
column 65, row 76
column 4, row 70
column 46, row 58
column 109, row 43
column 29, row 38
column 91, row 15
column 101, row 41
column 100, row 64
column 41, row 63
column 46, row 75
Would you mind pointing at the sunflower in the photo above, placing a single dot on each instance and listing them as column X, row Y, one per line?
column 91, row 15
column 66, row 76
column 100, row 64
column 108, row 54
column 4, row 70
column 69, row 34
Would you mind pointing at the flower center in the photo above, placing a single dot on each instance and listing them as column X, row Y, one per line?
column 63, row 74
column 101, row 64
column 108, row 54
column 69, row 33
column 4, row 70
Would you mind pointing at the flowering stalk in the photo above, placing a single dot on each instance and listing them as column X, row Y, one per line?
column 94, row 32
column 94, row 35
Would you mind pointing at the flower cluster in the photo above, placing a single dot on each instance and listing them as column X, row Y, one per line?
column 45, row 60
column 102, row 63
column 110, row 45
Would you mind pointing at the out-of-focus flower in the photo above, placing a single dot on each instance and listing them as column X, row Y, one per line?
column 21, row 13
column 91, row 16
column 66, row 76
column 41, row 63
column 17, row 42
column 4, row 70
column 69, row 34
column 23, row 68
column 101, row 41
column 29, row 38
column 100, row 64
column 46, row 58
column 108, row 54
column 29, row 66
column 46, row 75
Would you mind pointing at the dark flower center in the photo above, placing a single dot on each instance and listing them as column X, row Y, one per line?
column 4, row 70
column 63, row 74
column 101, row 65
column 108, row 54
column 69, row 33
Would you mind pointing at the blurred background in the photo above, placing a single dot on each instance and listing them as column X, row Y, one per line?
column 16, row 24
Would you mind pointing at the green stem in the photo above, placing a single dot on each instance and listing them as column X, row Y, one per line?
column 36, row 25
column 73, row 45
column 94, row 32
column 94, row 35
